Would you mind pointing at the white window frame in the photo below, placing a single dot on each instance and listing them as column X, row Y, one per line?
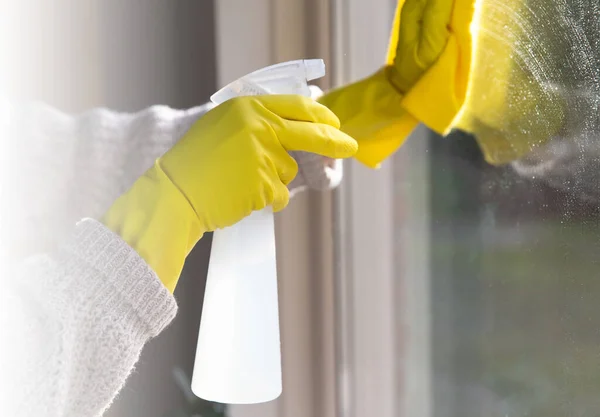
column 383, row 238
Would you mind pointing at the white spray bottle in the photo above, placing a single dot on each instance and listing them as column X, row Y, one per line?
column 238, row 358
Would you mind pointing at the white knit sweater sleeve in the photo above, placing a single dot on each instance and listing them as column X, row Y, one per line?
column 56, row 168
column 75, row 308
column 78, row 321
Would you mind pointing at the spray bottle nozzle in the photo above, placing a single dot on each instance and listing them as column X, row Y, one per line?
column 314, row 69
column 286, row 78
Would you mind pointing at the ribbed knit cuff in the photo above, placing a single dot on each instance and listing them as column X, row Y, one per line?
column 108, row 274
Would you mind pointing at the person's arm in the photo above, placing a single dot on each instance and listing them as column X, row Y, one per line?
column 73, row 324
column 233, row 161
column 423, row 80
column 75, row 308
column 57, row 168
column 75, row 319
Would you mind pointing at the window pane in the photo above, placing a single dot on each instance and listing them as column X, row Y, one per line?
column 515, row 311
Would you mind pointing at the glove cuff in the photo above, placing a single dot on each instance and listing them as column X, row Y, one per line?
column 155, row 219
column 371, row 111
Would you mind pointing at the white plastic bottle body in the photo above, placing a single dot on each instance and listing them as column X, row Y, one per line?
column 238, row 357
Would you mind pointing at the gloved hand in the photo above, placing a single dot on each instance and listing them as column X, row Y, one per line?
column 315, row 172
column 232, row 161
column 424, row 79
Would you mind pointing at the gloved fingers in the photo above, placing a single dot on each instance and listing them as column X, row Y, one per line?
column 299, row 108
column 316, row 138
column 285, row 165
column 281, row 197
column 421, row 33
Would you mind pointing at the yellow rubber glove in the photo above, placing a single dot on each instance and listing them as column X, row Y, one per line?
column 232, row 161
column 424, row 79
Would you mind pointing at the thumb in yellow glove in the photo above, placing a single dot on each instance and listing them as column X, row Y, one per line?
column 232, row 161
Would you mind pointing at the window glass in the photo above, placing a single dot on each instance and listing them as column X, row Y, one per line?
column 515, row 289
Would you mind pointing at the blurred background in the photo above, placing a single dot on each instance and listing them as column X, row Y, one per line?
column 436, row 286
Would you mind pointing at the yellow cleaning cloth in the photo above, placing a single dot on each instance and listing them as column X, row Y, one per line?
column 513, row 102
